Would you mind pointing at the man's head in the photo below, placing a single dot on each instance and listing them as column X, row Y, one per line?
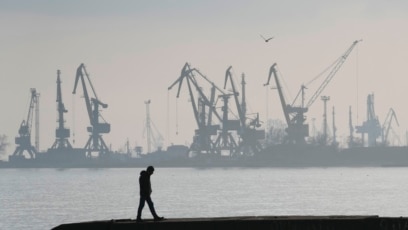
column 150, row 170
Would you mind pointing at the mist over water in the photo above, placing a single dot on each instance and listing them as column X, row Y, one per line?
column 135, row 50
column 45, row 198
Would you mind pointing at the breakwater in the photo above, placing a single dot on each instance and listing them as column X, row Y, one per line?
column 251, row 222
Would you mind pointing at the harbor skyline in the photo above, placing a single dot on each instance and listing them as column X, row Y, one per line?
column 135, row 50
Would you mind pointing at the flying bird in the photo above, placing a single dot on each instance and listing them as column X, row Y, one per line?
column 266, row 40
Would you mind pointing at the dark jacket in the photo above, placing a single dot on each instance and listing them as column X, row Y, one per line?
column 144, row 182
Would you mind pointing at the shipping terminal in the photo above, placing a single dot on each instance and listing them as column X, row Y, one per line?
column 222, row 138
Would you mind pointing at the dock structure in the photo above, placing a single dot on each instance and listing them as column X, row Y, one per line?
column 250, row 222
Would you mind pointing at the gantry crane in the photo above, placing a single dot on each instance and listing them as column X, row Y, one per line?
column 95, row 142
column 295, row 115
column 61, row 133
column 371, row 126
column 203, row 109
column 386, row 127
column 23, row 141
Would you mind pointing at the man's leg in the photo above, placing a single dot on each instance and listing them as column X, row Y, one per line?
column 141, row 205
column 151, row 207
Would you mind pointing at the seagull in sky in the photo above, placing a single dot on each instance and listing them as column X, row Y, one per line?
column 266, row 40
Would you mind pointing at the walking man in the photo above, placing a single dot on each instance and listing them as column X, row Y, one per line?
column 145, row 192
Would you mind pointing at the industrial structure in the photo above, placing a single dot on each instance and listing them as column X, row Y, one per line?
column 203, row 109
column 295, row 117
column 371, row 126
column 377, row 134
column 236, row 136
column 23, row 140
column 61, row 133
column 387, row 126
column 95, row 142
column 225, row 130
column 247, row 128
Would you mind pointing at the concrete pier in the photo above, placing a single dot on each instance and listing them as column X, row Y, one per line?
column 250, row 222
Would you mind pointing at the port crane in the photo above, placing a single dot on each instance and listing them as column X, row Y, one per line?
column 225, row 140
column 386, row 126
column 249, row 136
column 95, row 142
column 295, row 117
column 23, row 141
column 371, row 126
column 203, row 109
column 61, row 133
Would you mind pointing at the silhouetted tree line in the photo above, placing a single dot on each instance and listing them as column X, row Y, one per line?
column 3, row 144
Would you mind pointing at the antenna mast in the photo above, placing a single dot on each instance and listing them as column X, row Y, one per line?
column 148, row 126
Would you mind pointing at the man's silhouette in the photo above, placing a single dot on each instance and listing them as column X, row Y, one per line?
column 145, row 192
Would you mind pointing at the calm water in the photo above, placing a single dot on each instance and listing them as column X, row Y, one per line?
column 45, row 198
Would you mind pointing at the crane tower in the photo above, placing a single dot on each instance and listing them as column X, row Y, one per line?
column 61, row 133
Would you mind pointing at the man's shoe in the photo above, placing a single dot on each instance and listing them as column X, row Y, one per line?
column 159, row 218
column 139, row 220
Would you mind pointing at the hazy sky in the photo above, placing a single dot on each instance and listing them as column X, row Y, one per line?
column 134, row 50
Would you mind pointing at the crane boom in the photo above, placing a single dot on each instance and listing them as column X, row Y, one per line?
column 272, row 70
column 295, row 115
column 387, row 124
column 95, row 141
column 188, row 74
column 23, row 141
column 339, row 63
column 80, row 76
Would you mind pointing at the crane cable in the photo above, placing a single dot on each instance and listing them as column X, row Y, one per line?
column 73, row 119
column 176, row 116
column 324, row 71
column 285, row 85
column 168, row 116
column 357, row 93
